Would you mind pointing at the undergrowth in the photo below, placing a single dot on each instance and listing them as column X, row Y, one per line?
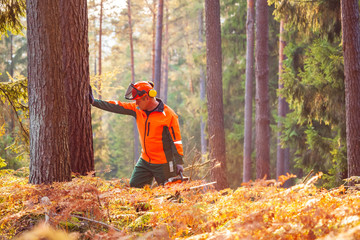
column 92, row 208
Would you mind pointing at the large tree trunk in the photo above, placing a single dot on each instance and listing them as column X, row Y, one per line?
column 136, row 134
column 214, row 93
column 49, row 140
column 75, row 49
column 262, row 91
column 202, row 86
column 351, row 48
column 158, row 46
column 282, row 108
column 249, row 90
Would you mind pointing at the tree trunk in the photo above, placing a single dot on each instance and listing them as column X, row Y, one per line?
column 100, row 47
column 164, row 84
column 351, row 50
column 202, row 86
column 11, row 72
column 214, row 93
column 262, row 91
column 158, row 43
column 75, row 50
column 282, row 107
column 249, row 90
column 154, row 39
column 136, row 134
column 49, row 140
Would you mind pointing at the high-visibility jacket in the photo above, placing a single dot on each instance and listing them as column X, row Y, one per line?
column 159, row 131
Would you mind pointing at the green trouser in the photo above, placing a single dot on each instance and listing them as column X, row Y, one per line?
column 144, row 173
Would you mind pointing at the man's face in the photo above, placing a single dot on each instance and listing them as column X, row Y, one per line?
column 142, row 102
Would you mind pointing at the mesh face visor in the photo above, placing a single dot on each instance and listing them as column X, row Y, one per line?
column 132, row 93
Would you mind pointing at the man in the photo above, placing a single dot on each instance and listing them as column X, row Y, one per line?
column 159, row 133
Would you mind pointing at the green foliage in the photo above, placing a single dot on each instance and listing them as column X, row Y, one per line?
column 15, row 94
column 14, row 142
column 321, row 16
column 10, row 16
column 314, row 87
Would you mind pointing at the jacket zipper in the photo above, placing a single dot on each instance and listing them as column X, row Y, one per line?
column 147, row 118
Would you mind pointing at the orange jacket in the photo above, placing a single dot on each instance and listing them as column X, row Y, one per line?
column 159, row 131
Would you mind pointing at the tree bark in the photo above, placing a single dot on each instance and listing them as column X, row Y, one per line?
column 262, row 91
column 158, row 46
column 164, row 84
column 49, row 140
column 100, row 48
column 202, row 86
column 136, row 133
column 75, row 53
column 154, row 39
column 214, row 93
column 351, row 50
column 282, row 107
column 249, row 90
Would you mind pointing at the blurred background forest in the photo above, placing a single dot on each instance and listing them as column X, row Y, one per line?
column 313, row 84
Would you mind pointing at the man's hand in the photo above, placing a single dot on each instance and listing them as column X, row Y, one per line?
column 180, row 169
column 91, row 96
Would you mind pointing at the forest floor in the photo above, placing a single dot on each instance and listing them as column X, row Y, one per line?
column 92, row 208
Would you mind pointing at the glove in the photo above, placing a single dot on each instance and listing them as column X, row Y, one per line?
column 91, row 96
column 180, row 169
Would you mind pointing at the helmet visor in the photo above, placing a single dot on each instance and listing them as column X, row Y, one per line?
column 132, row 93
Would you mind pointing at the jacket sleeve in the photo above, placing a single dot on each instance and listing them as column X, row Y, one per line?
column 116, row 107
column 176, row 137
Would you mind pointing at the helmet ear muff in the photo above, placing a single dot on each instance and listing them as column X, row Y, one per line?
column 151, row 83
column 152, row 93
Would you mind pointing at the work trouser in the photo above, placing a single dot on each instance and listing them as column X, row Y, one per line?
column 144, row 173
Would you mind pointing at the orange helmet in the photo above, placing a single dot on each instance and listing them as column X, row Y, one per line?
column 137, row 90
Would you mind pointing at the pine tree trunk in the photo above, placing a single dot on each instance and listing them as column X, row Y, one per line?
column 249, row 90
column 153, row 39
column 262, row 91
column 202, row 87
column 11, row 72
column 158, row 46
column 282, row 107
column 100, row 49
column 214, row 93
column 75, row 50
column 351, row 50
column 49, row 140
column 136, row 134
column 164, row 84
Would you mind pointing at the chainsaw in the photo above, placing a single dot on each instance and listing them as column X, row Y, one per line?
column 177, row 179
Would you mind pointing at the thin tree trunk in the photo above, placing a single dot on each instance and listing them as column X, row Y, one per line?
column 11, row 56
column 136, row 134
column 48, row 109
column 158, row 46
column 154, row 39
column 74, row 22
column 100, row 47
column 249, row 90
column 262, row 91
column 202, row 86
column 351, row 50
column 214, row 93
column 282, row 107
column 164, row 85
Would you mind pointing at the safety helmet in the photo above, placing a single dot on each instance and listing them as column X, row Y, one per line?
column 137, row 90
